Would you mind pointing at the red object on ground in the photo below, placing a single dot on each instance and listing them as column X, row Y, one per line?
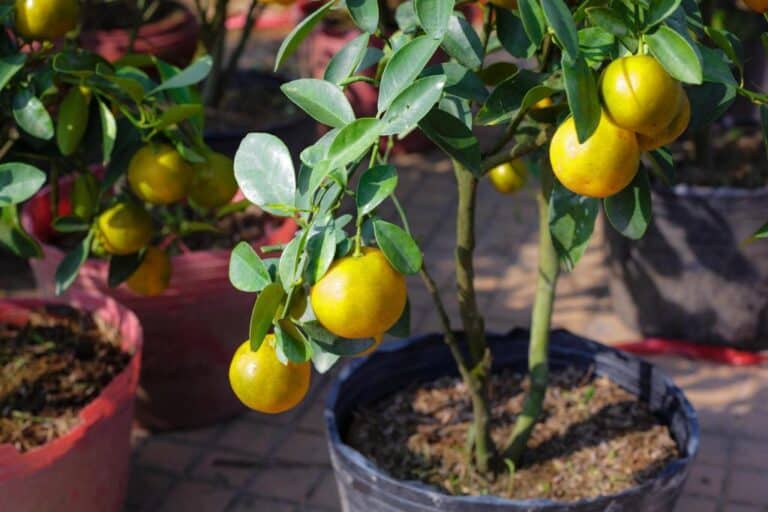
column 717, row 354
column 191, row 330
column 273, row 17
column 87, row 468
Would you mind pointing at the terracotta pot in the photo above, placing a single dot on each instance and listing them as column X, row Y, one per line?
column 87, row 468
column 172, row 38
column 192, row 329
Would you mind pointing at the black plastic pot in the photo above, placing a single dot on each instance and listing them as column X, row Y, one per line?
column 365, row 488
column 691, row 277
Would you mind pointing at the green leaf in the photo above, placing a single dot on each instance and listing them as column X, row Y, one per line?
column 715, row 67
column 512, row 35
column 9, row 66
column 176, row 114
column 194, row 73
column 353, row 141
column 597, row 46
column 559, row 18
column 331, row 344
column 322, row 100
column 676, row 54
column 19, row 182
column 289, row 260
column 108, row 132
column 497, row 72
column 452, row 136
column 629, row 211
column 405, row 17
column 365, row 14
column 404, row 67
column 264, row 172
column 247, row 272
column 263, row 313
column 762, row 232
column 70, row 224
column 433, row 15
column 122, row 267
column 299, row 33
column 571, row 223
column 462, row 42
column 375, row 185
column 610, row 20
column 412, row 105
column 533, row 20
column 31, row 115
column 581, row 90
column 322, row 360
column 345, row 62
column 13, row 236
column 67, row 270
column 659, row 11
column 321, row 248
column 292, row 342
column 371, row 58
column 709, row 101
column 507, row 98
column 460, row 81
column 398, row 246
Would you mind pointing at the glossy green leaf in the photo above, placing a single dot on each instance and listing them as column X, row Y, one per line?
column 122, row 267
column 321, row 249
column 322, row 360
column 66, row 272
column 264, row 172
column 353, row 141
column 331, row 344
column 365, row 14
column 597, row 46
column 534, row 22
column 247, row 272
column 398, row 246
column 629, row 211
column 709, row 101
column 571, row 223
column 299, row 33
column 70, row 224
column 371, row 58
column 676, row 54
column 496, row 73
column 263, row 313
column 462, row 42
column 610, row 20
column 9, row 66
column 108, row 132
column 559, row 17
column 405, row 65
column 412, row 105
column 322, row 100
column 507, row 98
column 194, row 73
column 512, row 35
column 14, row 238
column 405, row 17
column 375, row 185
column 715, row 67
column 659, row 11
column 19, row 182
column 452, row 136
column 31, row 115
column 581, row 90
column 292, row 342
column 459, row 81
column 176, row 114
column 343, row 64
column 762, row 232
column 287, row 269
column 433, row 15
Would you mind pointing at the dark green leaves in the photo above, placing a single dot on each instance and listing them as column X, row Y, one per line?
column 365, row 14
column 512, row 36
column 122, row 267
column 264, row 311
column 31, row 115
column 376, row 184
column 559, row 18
column 321, row 248
column 108, row 132
column 452, row 136
column 67, row 270
column 659, row 11
column 507, row 99
column 14, row 238
column 398, row 246
column 264, row 172
column 246, row 270
column 403, row 67
column 433, row 15
column 610, row 21
column 676, row 54
column 18, row 182
column 9, row 66
column 571, row 222
column 533, row 19
column 629, row 211
column 299, row 33
column 322, row 100
column 344, row 63
column 462, row 43
column 412, row 105
column 291, row 342
column 581, row 90
column 193, row 74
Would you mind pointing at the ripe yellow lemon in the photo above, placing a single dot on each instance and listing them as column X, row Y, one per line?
column 639, row 94
column 602, row 166
column 159, row 175
column 265, row 384
column 46, row 19
column 213, row 183
column 360, row 296
column 124, row 228
column 760, row 6
column 508, row 177
column 669, row 134
column 153, row 275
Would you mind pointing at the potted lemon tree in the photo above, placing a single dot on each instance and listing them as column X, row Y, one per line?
column 468, row 420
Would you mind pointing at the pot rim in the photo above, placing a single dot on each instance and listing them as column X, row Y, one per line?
column 361, row 462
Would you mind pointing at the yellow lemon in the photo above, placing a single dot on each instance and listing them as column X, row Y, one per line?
column 669, row 134
column 213, row 183
column 124, row 228
column 159, row 175
column 509, row 177
column 46, row 19
column 153, row 275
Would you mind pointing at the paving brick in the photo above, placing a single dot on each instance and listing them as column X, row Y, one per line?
column 253, row 503
column 195, row 436
column 749, row 486
column 713, row 449
column 736, row 507
column 286, row 482
column 146, row 487
column 305, row 448
column 326, row 494
column 751, row 454
column 173, row 457
column 228, row 468
column 196, row 497
column 249, row 437
column 705, row 480
column 313, row 418
column 695, row 504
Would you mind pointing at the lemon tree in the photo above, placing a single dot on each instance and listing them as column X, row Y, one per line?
column 612, row 84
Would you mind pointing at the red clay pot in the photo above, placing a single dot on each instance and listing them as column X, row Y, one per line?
column 87, row 468
column 191, row 330
column 172, row 38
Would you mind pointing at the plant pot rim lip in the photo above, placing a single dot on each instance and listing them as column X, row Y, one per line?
column 361, row 462
column 101, row 407
column 709, row 192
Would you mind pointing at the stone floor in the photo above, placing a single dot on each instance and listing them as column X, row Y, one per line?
column 280, row 464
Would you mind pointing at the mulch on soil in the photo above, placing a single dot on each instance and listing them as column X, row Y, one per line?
column 594, row 438
column 49, row 370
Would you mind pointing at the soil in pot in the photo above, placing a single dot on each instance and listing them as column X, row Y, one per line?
column 594, row 438
column 50, row 369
